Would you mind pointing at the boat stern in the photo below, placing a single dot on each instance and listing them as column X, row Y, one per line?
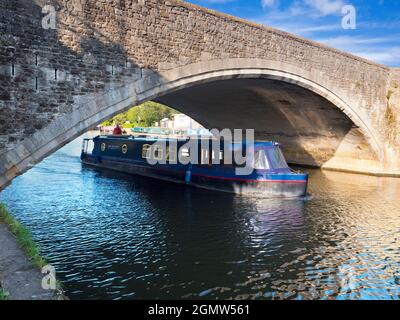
column 288, row 185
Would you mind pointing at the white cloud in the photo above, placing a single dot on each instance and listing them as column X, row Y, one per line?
column 319, row 28
column 390, row 56
column 269, row 3
column 383, row 50
column 325, row 7
column 217, row 1
column 301, row 10
column 321, row 20
column 344, row 42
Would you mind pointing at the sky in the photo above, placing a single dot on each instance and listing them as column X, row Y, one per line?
column 377, row 23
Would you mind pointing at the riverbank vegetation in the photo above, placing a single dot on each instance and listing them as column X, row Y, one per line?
column 23, row 237
column 3, row 294
column 144, row 115
column 27, row 244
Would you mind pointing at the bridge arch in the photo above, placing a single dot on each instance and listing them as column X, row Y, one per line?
column 92, row 110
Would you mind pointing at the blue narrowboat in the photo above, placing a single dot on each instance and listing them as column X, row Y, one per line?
column 270, row 175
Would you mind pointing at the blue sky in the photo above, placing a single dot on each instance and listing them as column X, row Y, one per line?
column 377, row 33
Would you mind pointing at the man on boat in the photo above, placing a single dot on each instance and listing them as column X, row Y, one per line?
column 117, row 130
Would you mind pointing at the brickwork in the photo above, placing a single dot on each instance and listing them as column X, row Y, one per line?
column 99, row 46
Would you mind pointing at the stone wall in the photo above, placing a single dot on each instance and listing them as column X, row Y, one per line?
column 392, row 117
column 101, row 45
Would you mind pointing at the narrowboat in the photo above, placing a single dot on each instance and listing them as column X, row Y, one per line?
column 171, row 160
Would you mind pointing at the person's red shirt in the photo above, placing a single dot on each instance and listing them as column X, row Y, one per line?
column 117, row 130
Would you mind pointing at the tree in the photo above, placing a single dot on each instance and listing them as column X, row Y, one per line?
column 144, row 115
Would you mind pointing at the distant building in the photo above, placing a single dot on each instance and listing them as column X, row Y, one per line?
column 166, row 123
column 180, row 122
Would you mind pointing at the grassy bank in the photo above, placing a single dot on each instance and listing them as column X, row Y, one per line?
column 27, row 244
column 23, row 236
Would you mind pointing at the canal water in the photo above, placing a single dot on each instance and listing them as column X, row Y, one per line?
column 114, row 236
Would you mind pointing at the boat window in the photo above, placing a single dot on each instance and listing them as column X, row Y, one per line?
column 260, row 160
column 184, row 155
column 276, row 158
column 185, row 152
column 171, row 154
column 216, row 157
column 146, row 151
column 158, row 152
column 204, row 156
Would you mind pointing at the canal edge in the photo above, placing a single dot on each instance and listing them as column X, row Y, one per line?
column 21, row 263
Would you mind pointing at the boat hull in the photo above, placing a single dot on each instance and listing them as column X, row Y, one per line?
column 270, row 187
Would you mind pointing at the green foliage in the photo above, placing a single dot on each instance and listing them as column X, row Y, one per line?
column 3, row 294
column 23, row 236
column 144, row 115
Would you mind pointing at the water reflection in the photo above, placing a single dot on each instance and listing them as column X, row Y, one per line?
column 119, row 237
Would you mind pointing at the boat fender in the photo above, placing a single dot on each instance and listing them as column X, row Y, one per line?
column 188, row 175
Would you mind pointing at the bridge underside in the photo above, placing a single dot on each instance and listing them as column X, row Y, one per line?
column 311, row 129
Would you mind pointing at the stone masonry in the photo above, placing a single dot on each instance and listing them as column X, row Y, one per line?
column 107, row 55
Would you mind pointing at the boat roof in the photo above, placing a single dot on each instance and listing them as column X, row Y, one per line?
column 153, row 139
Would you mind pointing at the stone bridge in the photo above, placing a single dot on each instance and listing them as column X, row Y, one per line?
column 328, row 108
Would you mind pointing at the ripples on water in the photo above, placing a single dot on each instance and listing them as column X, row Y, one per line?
column 119, row 237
